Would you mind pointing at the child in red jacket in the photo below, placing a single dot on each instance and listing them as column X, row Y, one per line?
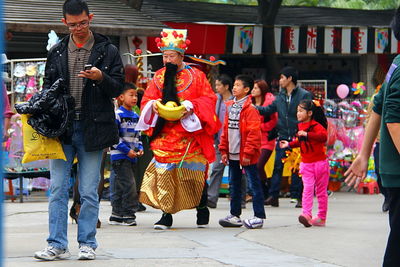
column 240, row 146
column 314, row 168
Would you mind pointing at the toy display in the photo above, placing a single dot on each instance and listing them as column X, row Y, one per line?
column 346, row 125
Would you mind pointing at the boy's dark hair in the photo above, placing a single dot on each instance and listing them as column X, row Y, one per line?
column 317, row 111
column 75, row 7
column 290, row 71
column 395, row 24
column 225, row 80
column 246, row 80
column 128, row 86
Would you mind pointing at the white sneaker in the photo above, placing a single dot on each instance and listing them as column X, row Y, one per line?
column 51, row 253
column 86, row 253
column 253, row 223
column 230, row 221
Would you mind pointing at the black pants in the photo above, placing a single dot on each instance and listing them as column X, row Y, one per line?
column 125, row 197
column 204, row 195
column 392, row 253
column 264, row 157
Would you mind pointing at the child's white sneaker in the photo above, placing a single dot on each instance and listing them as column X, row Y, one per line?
column 231, row 221
column 253, row 223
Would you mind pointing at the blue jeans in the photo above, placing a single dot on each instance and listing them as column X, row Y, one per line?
column 89, row 177
column 235, row 188
column 296, row 187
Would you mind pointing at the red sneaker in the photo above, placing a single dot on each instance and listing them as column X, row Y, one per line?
column 318, row 222
column 305, row 220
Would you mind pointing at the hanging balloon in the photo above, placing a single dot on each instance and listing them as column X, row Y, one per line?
column 342, row 91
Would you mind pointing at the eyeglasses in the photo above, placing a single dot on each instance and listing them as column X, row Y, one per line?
column 82, row 24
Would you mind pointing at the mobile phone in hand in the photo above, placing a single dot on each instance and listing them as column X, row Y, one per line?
column 88, row 66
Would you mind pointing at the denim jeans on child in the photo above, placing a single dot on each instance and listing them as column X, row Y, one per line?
column 235, row 188
column 315, row 176
column 125, row 198
column 89, row 177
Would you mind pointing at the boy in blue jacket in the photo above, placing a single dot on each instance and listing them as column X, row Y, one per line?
column 124, row 158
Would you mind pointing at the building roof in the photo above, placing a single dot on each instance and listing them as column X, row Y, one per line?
column 183, row 11
column 112, row 17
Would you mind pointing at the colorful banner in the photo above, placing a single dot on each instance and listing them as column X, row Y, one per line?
column 247, row 40
column 381, row 40
column 316, row 40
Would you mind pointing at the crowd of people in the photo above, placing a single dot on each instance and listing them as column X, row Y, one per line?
column 187, row 127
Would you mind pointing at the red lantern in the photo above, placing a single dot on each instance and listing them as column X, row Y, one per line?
column 158, row 40
column 187, row 41
column 138, row 51
column 212, row 58
column 164, row 34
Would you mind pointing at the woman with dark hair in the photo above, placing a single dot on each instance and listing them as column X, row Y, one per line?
column 262, row 96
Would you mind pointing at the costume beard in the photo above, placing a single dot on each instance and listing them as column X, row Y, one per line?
column 169, row 93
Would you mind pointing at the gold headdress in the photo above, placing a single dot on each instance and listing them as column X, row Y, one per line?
column 172, row 39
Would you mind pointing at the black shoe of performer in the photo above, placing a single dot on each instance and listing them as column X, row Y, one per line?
column 164, row 223
column 203, row 217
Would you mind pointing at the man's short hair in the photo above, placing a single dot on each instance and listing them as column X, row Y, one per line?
column 75, row 7
column 290, row 71
column 246, row 80
column 395, row 25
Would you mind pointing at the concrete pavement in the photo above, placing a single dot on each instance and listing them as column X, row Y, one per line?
column 355, row 235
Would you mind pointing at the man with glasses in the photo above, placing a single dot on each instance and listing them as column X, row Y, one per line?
column 92, row 69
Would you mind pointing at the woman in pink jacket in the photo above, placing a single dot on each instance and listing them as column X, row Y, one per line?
column 262, row 96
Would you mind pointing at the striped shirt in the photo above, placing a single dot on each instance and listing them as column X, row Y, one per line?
column 77, row 58
column 234, row 128
column 129, row 138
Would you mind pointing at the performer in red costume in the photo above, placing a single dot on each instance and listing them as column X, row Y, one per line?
column 183, row 147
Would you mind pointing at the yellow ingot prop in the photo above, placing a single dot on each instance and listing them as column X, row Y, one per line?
column 170, row 111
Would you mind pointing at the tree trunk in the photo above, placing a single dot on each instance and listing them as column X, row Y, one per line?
column 267, row 12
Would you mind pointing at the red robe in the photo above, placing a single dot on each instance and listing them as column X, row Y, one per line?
column 172, row 142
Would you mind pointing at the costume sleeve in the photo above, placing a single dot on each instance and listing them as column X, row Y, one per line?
column 253, row 140
column 204, row 105
column 151, row 93
column 319, row 134
column 392, row 100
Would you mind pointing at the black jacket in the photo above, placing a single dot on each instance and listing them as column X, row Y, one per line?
column 100, row 129
column 287, row 111
column 50, row 110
